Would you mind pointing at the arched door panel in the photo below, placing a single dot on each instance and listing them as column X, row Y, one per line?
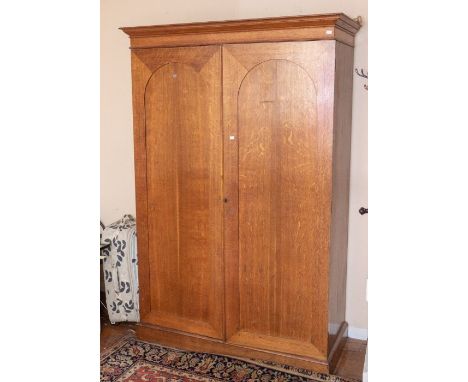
column 184, row 185
column 277, row 222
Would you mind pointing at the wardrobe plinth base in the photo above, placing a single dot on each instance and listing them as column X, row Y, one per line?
column 192, row 342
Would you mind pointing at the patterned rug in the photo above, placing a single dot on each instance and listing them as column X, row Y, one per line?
column 132, row 360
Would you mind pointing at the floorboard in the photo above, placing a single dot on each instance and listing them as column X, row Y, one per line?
column 351, row 362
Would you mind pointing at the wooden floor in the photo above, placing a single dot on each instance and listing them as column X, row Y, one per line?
column 351, row 362
column 350, row 365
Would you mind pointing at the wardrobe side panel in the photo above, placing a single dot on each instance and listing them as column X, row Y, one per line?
column 340, row 188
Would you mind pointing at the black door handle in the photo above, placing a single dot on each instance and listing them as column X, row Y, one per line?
column 363, row 210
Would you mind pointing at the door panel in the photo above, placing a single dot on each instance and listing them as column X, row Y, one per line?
column 184, row 189
column 278, row 216
column 277, row 130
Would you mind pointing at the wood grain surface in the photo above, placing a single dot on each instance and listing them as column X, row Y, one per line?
column 278, row 180
column 184, row 189
column 242, row 149
column 340, row 189
column 335, row 26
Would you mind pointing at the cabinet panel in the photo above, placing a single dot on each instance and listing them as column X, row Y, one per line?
column 277, row 172
column 277, row 228
column 184, row 189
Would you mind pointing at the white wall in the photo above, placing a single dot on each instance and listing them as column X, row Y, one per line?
column 117, row 173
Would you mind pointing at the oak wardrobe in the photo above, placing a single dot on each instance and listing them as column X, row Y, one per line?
column 242, row 147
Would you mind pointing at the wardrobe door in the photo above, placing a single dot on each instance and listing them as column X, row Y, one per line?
column 177, row 96
column 278, row 113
